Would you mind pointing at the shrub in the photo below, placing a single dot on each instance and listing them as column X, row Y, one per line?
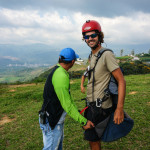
column 136, row 67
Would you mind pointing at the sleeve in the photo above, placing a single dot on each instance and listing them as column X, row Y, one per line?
column 61, row 85
column 110, row 61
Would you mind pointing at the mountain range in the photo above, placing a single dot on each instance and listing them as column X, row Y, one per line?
column 21, row 62
column 41, row 54
column 29, row 54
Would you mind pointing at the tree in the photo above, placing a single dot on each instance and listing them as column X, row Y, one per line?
column 149, row 51
column 121, row 52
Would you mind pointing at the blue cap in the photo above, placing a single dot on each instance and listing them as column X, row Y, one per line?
column 68, row 54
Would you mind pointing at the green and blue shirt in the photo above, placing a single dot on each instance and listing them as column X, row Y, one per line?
column 57, row 98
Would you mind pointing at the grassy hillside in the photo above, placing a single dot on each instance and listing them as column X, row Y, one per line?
column 39, row 74
column 43, row 76
column 19, row 127
column 19, row 74
column 76, row 69
column 129, row 67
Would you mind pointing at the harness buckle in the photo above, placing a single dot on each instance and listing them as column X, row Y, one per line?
column 98, row 102
column 106, row 94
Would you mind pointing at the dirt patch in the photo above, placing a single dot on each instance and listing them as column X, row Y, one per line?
column 132, row 93
column 12, row 90
column 6, row 119
column 21, row 85
column 148, row 103
column 71, row 82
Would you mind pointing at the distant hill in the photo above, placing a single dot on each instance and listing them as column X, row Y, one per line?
column 25, row 62
column 7, row 60
column 75, row 72
column 15, row 59
column 29, row 62
column 42, row 77
column 33, row 54
column 129, row 67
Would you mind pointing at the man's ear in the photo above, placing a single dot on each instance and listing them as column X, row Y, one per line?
column 73, row 61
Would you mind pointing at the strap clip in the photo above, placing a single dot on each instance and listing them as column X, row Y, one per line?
column 98, row 102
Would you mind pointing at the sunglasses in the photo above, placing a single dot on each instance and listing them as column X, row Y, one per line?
column 92, row 36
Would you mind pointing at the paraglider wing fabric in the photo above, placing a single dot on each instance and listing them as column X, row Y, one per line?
column 100, row 127
column 114, row 131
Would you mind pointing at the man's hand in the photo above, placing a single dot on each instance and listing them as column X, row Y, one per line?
column 82, row 89
column 118, row 116
column 88, row 125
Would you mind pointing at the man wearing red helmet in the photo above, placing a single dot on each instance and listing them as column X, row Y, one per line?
column 106, row 66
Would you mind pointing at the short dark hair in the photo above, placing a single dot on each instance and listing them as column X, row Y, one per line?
column 101, row 36
column 61, row 60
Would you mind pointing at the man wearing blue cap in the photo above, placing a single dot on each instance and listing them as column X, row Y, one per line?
column 57, row 103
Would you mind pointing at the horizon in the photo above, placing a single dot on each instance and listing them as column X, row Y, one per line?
column 58, row 24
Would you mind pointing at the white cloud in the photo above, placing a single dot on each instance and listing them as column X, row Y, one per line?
column 128, row 30
column 24, row 27
column 133, row 29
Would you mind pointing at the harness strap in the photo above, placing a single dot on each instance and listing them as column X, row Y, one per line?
column 83, row 109
column 98, row 57
column 98, row 101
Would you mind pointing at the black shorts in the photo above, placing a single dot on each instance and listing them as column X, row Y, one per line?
column 96, row 115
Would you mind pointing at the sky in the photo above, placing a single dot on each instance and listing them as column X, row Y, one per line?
column 58, row 23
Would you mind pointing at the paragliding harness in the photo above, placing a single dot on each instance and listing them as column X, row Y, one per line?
column 111, row 90
column 99, row 116
column 106, row 129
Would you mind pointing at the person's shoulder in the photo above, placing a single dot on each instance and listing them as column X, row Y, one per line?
column 60, row 78
column 60, row 73
column 108, row 52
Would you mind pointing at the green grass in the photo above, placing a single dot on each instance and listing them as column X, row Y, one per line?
column 13, row 75
column 22, row 102
column 9, row 78
column 124, row 57
column 145, row 58
column 77, row 67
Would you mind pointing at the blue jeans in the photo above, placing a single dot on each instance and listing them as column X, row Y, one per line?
column 52, row 139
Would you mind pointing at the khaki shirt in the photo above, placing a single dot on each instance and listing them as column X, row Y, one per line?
column 105, row 65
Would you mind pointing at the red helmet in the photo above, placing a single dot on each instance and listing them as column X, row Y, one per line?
column 91, row 25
